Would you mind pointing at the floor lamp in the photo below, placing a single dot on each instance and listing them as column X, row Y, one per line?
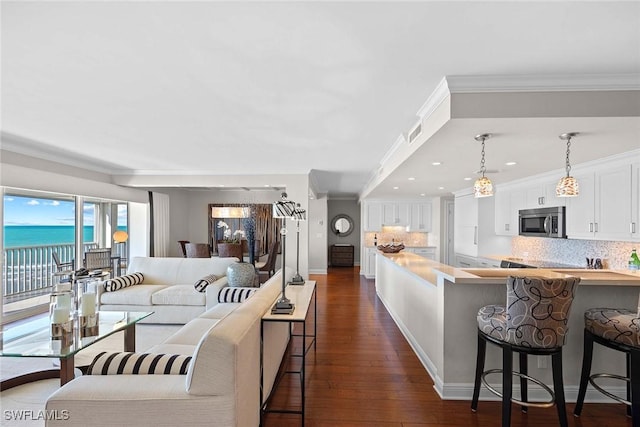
column 283, row 209
column 299, row 214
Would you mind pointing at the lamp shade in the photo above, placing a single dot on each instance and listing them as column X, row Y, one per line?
column 299, row 214
column 120, row 236
column 567, row 187
column 230, row 212
column 483, row 187
column 283, row 208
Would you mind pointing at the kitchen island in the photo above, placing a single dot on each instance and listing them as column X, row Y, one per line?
column 435, row 307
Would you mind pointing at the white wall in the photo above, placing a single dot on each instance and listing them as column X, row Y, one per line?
column 189, row 210
column 351, row 208
column 318, row 243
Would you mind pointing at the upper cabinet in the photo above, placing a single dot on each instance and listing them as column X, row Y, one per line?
column 416, row 216
column 541, row 195
column 635, row 201
column 420, row 217
column 508, row 202
column 603, row 209
column 465, row 220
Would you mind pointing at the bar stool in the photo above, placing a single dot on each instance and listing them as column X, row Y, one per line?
column 534, row 321
column 618, row 329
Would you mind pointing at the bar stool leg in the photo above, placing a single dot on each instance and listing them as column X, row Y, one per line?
column 482, row 348
column 507, row 383
column 524, row 370
column 587, row 355
column 558, row 387
column 634, row 377
column 629, row 383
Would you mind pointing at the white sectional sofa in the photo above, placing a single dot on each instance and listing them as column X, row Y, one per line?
column 168, row 288
column 222, row 387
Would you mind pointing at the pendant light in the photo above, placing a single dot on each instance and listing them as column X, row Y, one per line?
column 483, row 186
column 567, row 186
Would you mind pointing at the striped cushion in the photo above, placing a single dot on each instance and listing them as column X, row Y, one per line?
column 123, row 282
column 139, row 363
column 202, row 284
column 235, row 294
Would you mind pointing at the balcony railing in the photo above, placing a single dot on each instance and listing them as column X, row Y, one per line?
column 28, row 270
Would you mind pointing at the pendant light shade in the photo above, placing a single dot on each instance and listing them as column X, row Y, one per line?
column 483, row 186
column 568, row 185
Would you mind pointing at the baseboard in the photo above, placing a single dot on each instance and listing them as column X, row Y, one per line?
column 318, row 271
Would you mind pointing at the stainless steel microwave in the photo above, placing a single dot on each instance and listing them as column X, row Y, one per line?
column 543, row 222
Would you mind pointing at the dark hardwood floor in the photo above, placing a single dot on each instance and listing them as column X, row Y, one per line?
column 363, row 373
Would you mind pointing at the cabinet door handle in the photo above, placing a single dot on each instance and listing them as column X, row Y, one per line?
column 596, row 226
column 506, row 227
column 590, row 227
column 475, row 235
column 633, row 227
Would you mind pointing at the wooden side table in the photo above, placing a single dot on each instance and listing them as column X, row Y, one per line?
column 341, row 255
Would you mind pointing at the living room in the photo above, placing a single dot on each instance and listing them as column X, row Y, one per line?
column 341, row 105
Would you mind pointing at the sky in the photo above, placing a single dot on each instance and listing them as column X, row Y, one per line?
column 20, row 210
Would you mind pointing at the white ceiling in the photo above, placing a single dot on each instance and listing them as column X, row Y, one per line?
column 169, row 88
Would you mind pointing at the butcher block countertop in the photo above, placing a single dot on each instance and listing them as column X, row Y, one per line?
column 429, row 270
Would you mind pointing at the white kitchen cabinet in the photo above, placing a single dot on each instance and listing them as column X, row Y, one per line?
column 603, row 209
column 427, row 252
column 465, row 238
column 420, row 217
column 370, row 263
column 508, row 201
column 395, row 213
column 542, row 194
column 463, row 261
column 373, row 216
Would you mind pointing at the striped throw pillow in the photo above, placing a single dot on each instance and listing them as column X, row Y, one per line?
column 202, row 284
column 139, row 363
column 235, row 294
column 123, row 282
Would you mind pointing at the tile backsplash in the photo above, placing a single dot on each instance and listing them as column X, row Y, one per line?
column 397, row 234
column 614, row 255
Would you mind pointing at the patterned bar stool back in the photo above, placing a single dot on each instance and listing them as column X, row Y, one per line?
column 617, row 329
column 536, row 314
column 534, row 321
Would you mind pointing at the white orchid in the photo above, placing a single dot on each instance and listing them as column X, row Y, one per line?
column 222, row 224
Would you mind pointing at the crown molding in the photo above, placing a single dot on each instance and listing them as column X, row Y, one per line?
column 440, row 93
column 543, row 83
column 30, row 147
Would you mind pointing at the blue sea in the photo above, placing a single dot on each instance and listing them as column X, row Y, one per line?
column 37, row 235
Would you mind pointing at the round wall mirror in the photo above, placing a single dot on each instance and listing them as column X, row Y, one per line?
column 342, row 225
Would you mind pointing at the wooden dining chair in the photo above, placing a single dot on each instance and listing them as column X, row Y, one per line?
column 269, row 268
column 197, row 250
column 182, row 244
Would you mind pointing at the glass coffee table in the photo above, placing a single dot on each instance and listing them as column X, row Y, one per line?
column 33, row 339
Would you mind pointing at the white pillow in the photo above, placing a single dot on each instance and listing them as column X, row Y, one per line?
column 123, row 282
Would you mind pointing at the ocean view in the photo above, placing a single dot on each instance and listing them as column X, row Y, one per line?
column 39, row 235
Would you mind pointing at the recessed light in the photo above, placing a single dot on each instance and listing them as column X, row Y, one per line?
column 267, row 185
column 220, row 185
column 467, row 179
column 411, row 178
column 422, row 194
column 440, row 188
column 436, row 163
column 510, row 163
column 395, row 188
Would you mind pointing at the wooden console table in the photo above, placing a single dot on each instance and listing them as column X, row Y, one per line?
column 341, row 255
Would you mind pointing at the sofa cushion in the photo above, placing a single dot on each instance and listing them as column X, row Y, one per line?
column 201, row 284
column 235, row 294
column 133, row 295
column 139, row 363
column 122, row 282
column 178, row 295
column 178, row 271
column 220, row 310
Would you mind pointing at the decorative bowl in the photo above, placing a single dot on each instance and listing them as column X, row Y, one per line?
column 391, row 249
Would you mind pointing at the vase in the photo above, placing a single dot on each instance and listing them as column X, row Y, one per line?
column 241, row 274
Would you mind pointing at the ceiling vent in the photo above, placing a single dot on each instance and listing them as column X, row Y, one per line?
column 415, row 132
